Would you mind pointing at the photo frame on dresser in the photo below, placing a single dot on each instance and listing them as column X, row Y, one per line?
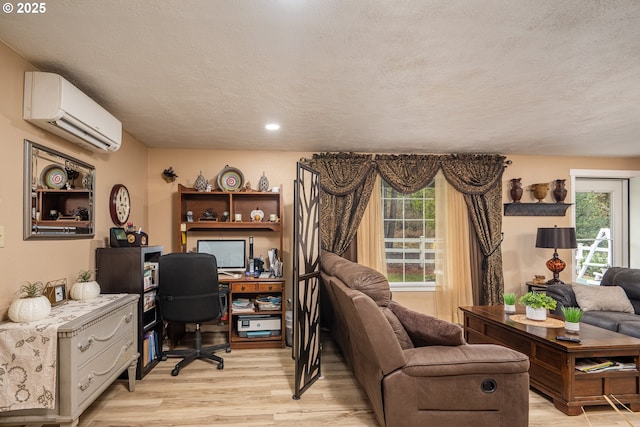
column 56, row 291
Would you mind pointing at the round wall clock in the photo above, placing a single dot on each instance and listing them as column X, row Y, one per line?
column 119, row 204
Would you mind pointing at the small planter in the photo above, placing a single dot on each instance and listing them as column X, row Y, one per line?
column 572, row 326
column 509, row 308
column 29, row 309
column 536, row 313
column 82, row 291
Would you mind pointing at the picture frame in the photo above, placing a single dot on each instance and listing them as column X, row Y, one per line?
column 56, row 291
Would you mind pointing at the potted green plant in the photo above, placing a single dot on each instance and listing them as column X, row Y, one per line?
column 572, row 316
column 537, row 304
column 30, row 305
column 85, row 288
column 509, row 302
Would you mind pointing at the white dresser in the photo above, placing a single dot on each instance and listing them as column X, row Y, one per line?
column 93, row 348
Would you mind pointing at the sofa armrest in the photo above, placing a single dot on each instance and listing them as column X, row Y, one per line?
column 465, row 359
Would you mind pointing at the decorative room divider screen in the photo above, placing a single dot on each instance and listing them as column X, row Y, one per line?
column 306, row 279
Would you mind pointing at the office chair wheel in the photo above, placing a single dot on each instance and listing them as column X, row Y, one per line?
column 163, row 357
column 227, row 350
column 221, row 365
column 175, row 372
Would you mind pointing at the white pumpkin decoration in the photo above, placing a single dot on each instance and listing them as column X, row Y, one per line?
column 85, row 290
column 29, row 309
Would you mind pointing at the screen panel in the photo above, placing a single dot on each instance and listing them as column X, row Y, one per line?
column 230, row 254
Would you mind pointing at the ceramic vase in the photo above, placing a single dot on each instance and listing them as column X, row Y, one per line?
column 509, row 308
column 516, row 190
column 536, row 313
column 559, row 190
column 201, row 183
column 263, row 184
column 540, row 191
column 572, row 326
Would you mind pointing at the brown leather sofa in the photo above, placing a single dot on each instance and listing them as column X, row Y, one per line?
column 418, row 370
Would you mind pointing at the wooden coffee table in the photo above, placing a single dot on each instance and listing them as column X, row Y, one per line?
column 552, row 370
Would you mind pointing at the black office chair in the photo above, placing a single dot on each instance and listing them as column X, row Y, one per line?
column 188, row 292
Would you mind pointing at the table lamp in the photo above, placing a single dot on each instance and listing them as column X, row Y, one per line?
column 556, row 238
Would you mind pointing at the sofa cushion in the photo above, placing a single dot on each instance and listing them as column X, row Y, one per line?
column 607, row 319
column 425, row 330
column 398, row 329
column 631, row 328
column 602, row 298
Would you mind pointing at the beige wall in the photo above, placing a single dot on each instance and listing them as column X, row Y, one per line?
column 521, row 259
column 154, row 200
column 47, row 260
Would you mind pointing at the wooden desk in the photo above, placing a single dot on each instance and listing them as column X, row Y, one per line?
column 552, row 370
column 245, row 287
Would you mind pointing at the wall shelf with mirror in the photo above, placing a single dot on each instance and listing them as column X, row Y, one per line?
column 58, row 195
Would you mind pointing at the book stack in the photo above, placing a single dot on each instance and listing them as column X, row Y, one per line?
column 597, row 364
column 242, row 305
column 150, row 347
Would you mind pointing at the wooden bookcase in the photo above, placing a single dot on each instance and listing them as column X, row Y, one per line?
column 269, row 233
column 134, row 271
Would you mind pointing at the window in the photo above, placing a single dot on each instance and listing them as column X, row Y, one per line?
column 409, row 237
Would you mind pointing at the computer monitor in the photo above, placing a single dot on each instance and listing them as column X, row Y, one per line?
column 231, row 255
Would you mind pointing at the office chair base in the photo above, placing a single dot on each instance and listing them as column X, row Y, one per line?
column 199, row 352
column 189, row 355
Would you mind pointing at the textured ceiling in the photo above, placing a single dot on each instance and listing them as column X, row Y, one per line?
column 510, row 76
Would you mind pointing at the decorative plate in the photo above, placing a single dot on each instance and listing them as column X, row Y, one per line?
column 230, row 179
column 257, row 215
column 53, row 176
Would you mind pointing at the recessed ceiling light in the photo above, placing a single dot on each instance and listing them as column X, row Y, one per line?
column 272, row 126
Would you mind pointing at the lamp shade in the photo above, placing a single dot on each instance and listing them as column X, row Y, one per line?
column 556, row 238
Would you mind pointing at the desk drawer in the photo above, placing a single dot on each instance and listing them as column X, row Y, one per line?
column 244, row 287
column 257, row 287
column 269, row 287
column 99, row 335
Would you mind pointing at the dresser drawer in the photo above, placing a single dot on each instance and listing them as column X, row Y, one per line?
column 99, row 370
column 101, row 334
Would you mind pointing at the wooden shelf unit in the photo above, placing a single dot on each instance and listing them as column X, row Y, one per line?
column 234, row 203
column 123, row 270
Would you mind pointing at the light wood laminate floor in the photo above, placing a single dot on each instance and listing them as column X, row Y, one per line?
column 255, row 388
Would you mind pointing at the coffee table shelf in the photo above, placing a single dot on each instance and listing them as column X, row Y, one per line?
column 552, row 370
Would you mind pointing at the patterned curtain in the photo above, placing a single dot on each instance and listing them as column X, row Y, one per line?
column 407, row 173
column 479, row 177
column 346, row 181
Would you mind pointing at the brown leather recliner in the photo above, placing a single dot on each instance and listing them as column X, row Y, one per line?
column 415, row 369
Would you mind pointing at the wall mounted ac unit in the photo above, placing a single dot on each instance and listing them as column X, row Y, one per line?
column 54, row 104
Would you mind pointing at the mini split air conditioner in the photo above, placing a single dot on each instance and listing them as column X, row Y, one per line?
column 54, row 104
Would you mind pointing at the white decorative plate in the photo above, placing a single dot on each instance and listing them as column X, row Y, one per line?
column 257, row 215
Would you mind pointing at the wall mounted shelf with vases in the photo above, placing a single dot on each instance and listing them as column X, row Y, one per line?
column 536, row 209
